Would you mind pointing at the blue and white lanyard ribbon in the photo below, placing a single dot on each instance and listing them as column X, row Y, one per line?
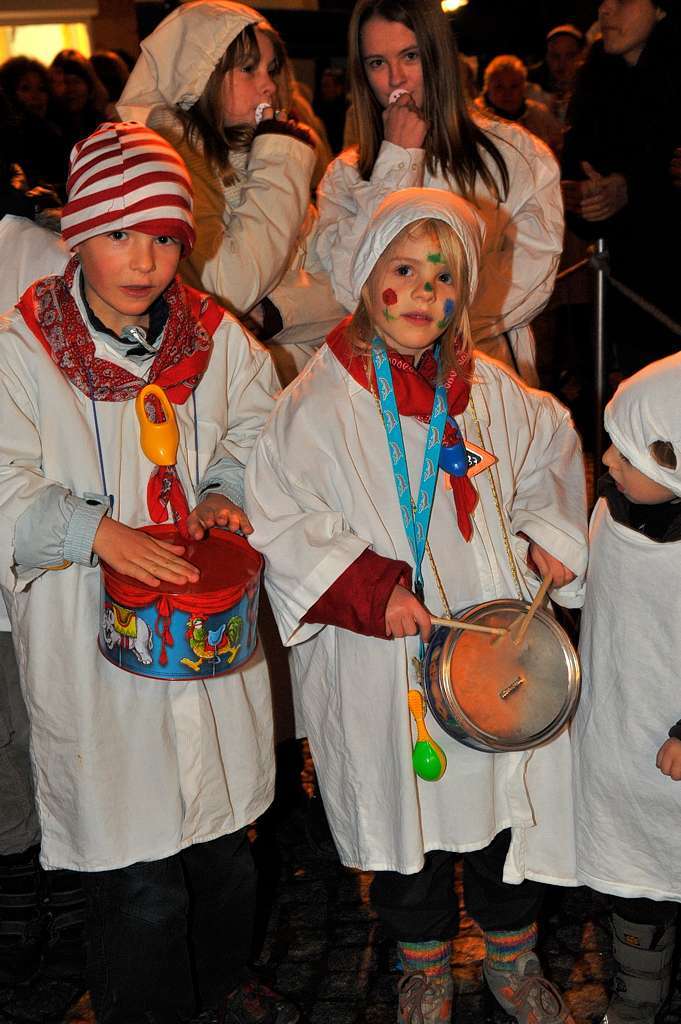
column 416, row 518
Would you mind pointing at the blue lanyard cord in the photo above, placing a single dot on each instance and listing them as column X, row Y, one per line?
column 415, row 517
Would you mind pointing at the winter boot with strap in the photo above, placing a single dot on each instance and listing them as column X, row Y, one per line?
column 643, row 955
column 20, row 918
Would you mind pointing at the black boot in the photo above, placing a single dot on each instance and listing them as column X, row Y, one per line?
column 20, row 918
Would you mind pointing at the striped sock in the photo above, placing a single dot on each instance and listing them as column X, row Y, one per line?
column 430, row 957
column 502, row 948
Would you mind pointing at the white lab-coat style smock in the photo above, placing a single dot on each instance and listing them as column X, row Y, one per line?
column 523, row 236
column 127, row 769
column 626, row 811
column 27, row 252
column 319, row 490
column 256, row 238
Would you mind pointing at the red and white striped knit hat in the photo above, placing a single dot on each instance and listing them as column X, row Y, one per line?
column 125, row 175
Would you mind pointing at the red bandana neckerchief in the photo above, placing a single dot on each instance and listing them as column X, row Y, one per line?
column 414, row 391
column 51, row 313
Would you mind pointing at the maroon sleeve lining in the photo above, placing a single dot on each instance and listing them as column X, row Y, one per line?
column 358, row 598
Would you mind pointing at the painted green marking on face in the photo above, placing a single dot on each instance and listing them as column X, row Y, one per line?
column 435, row 257
column 427, row 287
column 388, row 315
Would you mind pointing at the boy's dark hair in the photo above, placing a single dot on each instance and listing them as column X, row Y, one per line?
column 663, row 453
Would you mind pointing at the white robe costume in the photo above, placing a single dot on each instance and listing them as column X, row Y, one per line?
column 126, row 768
column 523, row 233
column 257, row 237
column 27, row 252
column 627, row 813
column 319, row 491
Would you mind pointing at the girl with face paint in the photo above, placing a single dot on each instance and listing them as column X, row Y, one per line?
column 360, row 447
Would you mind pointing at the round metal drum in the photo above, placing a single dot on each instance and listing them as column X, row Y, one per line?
column 495, row 696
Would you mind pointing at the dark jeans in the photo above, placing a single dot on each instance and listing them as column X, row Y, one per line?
column 423, row 907
column 161, row 933
column 19, row 827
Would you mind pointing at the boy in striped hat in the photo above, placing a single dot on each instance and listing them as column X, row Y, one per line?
column 144, row 788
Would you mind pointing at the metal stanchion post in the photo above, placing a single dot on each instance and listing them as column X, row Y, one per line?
column 599, row 354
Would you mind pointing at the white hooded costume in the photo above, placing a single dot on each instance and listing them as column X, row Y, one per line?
column 319, row 491
column 626, row 811
column 523, row 233
column 256, row 238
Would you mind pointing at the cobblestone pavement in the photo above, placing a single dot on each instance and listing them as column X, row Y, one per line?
column 323, row 946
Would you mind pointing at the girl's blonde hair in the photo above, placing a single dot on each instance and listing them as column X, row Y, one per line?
column 454, row 144
column 456, row 346
column 204, row 122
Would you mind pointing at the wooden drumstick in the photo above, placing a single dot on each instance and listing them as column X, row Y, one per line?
column 519, row 637
column 459, row 624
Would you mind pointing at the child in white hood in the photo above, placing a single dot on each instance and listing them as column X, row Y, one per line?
column 210, row 80
column 344, row 581
column 627, row 740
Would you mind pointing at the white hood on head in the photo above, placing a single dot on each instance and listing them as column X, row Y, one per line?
column 647, row 408
column 180, row 55
column 407, row 206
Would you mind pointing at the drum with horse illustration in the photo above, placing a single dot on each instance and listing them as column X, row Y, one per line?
column 196, row 631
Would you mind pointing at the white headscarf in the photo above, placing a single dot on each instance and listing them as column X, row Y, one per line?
column 407, row 206
column 647, row 408
column 180, row 55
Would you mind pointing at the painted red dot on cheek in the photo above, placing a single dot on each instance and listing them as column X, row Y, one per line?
column 389, row 297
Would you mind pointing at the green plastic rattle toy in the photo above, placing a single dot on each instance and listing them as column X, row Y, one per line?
column 428, row 758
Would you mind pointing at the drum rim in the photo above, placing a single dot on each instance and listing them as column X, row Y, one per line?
column 474, row 736
column 162, row 530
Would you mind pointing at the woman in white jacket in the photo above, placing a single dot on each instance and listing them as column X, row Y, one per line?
column 205, row 76
column 415, row 130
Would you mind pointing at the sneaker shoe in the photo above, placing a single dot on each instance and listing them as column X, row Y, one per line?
column 424, row 1000
column 253, row 1003
column 526, row 994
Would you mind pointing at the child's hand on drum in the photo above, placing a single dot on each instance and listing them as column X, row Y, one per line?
column 405, row 615
column 540, row 559
column 141, row 556
column 669, row 759
column 217, row 510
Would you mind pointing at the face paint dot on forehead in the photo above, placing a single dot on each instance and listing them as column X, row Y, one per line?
column 389, row 297
column 435, row 257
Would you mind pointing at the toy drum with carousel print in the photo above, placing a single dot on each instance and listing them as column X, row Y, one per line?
column 196, row 631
